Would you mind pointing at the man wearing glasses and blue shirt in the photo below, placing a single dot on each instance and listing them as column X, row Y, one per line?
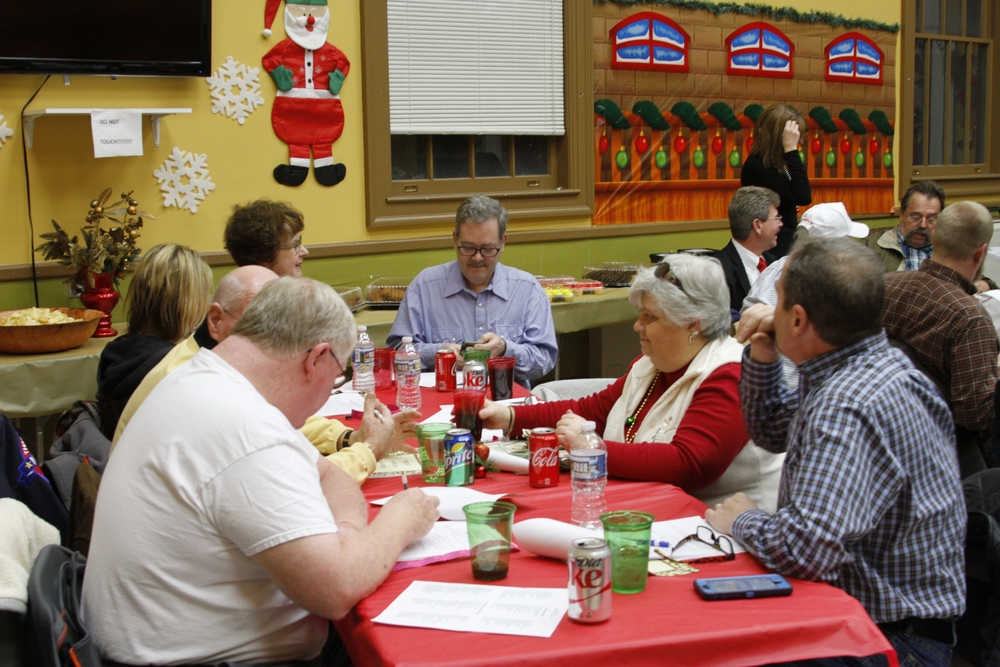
column 476, row 298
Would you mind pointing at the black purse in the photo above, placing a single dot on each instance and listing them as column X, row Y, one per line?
column 56, row 634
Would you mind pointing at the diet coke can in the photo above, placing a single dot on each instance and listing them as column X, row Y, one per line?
column 475, row 375
column 589, row 580
column 543, row 443
column 444, row 370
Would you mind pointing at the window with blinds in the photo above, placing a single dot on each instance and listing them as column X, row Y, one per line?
column 476, row 96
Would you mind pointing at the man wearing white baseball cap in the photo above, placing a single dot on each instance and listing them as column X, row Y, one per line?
column 820, row 221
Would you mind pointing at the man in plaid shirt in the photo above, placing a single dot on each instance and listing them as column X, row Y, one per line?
column 935, row 312
column 870, row 498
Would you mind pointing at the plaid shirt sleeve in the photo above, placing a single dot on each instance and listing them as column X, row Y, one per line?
column 840, row 489
column 767, row 402
column 974, row 373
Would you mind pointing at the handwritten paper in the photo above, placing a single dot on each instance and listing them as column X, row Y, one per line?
column 397, row 464
column 447, row 540
column 498, row 610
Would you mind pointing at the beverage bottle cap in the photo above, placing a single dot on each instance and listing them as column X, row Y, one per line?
column 407, row 339
column 588, row 426
column 362, row 327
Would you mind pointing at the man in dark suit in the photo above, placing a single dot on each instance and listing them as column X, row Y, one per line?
column 754, row 223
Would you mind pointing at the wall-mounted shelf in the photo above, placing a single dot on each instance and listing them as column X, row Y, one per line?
column 29, row 117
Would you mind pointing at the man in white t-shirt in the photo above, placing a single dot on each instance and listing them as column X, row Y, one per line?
column 221, row 534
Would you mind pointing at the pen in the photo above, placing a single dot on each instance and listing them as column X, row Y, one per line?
column 659, row 543
column 406, row 483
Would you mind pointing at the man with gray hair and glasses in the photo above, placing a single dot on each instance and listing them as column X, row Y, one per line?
column 478, row 299
column 221, row 535
column 754, row 223
column 870, row 498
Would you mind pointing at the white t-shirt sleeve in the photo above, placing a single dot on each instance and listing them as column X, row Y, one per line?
column 269, row 497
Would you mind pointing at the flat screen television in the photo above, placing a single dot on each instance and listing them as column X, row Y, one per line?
column 107, row 37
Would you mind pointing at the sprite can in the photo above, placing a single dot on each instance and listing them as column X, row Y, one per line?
column 459, row 457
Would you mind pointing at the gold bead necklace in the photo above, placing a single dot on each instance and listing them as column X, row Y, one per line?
column 630, row 427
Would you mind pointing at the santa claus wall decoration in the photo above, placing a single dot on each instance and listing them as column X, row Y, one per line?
column 308, row 72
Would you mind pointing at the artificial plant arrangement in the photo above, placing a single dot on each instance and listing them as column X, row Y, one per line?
column 112, row 251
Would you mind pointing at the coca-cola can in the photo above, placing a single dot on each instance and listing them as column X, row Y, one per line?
column 589, row 580
column 475, row 375
column 444, row 370
column 543, row 445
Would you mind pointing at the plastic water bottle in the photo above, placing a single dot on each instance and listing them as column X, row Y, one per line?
column 363, row 362
column 407, row 369
column 589, row 456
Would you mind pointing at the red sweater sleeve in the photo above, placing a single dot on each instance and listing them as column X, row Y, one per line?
column 709, row 437
column 594, row 407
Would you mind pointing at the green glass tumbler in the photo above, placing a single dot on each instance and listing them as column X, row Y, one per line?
column 430, row 448
column 490, row 526
column 627, row 534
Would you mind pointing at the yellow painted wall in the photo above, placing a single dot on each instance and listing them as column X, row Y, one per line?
column 64, row 175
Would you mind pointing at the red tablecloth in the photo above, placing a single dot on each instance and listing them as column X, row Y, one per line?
column 667, row 623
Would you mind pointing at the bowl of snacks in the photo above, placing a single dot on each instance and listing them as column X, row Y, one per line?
column 38, row 330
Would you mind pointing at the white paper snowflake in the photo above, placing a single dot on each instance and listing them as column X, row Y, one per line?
column 5, row 132
column 184, row 180
column 235, row 89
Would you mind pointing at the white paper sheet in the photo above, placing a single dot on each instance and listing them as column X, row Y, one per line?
column 507, row 462
column 396, row 465
column 341, row 403
column 552, row 539
column 116, row 132
column 446, row 541
column 453, row 499
column 499, row 610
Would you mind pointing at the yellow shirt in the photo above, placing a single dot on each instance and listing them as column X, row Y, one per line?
column 356, row 460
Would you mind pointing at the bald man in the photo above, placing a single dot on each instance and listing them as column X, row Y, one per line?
column 355, row 452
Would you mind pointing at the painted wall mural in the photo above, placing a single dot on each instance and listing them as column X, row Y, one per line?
column 677, row 90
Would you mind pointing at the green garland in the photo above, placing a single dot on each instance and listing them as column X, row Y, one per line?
column 775, row 13
column 753, row 112
column 651, row 114
column 612, row 114
column 724, row 114
column 687, row 113
column 853, row 120
column 881, row 122
column 822, row 118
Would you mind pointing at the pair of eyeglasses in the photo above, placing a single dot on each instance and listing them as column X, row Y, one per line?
column 777, row 217
column 341, row 367
column 294, row 245
column 916, row 217
column 664, row 272
column 705, row 535
column 470, row 251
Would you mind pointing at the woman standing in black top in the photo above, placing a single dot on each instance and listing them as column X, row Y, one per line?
column 774, row 163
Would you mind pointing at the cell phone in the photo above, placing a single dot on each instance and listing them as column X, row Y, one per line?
column 736, row 588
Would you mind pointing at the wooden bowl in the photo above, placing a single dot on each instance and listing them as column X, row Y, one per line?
column 39, row 338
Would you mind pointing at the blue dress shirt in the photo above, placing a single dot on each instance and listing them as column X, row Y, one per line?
column 438, row 308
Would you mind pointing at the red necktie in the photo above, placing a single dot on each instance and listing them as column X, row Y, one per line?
column 761, row 264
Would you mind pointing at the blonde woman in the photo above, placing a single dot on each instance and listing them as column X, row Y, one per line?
column 774, row 164
column 167, row 298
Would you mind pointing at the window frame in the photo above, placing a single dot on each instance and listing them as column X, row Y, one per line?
column 761, row 50
column 651, row 41
column 854, row 58
column 568, row 192
column 975, row 180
